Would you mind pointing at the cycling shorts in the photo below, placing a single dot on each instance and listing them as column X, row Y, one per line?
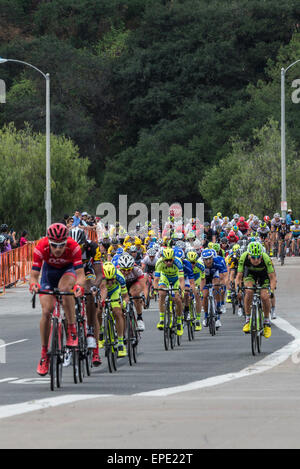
column 165, row 282
column 258, row 278
column 51, row 276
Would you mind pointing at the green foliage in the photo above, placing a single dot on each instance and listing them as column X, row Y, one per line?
column 249, row 178
column 22, row 178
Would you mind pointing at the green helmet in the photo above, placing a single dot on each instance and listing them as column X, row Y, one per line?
column 255, row 249
column 216, row 247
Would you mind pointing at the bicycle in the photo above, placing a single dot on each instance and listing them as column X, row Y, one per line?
column 256, row 320
column 190, row 317
column 170, row 323
column 132, row 334
column 234, row 298
column 212, row 310
column 57, row 336
column 110, row 336
column 80, row 354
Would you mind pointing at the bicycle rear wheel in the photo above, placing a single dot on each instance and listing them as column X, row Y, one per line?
column 129, row 336
column 211, row 320
column 61, row 354
column 167, row 329
column 53, row 354
column 253, row 330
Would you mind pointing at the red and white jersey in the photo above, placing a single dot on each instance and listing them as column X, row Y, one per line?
column 71, row 255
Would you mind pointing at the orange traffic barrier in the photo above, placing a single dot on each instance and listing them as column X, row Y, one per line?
column 15, row 265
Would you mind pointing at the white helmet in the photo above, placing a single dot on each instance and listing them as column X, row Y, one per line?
column 126, row 261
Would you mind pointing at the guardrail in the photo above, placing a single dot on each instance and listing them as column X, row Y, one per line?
column 15, row 265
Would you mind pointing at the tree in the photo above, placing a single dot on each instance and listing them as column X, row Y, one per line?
column 22, row 178
column 249, row 178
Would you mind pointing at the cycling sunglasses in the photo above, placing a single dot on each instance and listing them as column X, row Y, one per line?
column 255, row 257
column 126, row 269
column 58, row 245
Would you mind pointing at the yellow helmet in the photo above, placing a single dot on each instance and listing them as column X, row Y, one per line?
column 138, row 242
column 168, row 254
column 210, row 245
column 109, row 270
column 192, row 256
column 235, row 247
column 151, row 233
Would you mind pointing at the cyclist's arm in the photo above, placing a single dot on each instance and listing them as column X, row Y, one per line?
column 273, row 281
column 34, row 280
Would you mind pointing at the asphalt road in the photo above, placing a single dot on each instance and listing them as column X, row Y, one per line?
column 191, row 419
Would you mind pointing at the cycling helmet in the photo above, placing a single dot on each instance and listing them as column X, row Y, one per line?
column 133, row 248
column 192, row 256
column 109, row 270
column 236, row 216
column 235, row 228
column 126, row 261
column 57, row 232
column 219, row 214
column 255, row 249
column 168, row 253
column 266, row 218
column 216, row 247
column 296, row 222
column 210, row 245
column 119, row 251
column 179, row 253
column 231, row 234
column 151, row 252
column 114, row 241
column 283, row 221
column 277, row 215
column 224, row 240
column 242, row 219
column 3, row 227
column 78, row 235
column 191, row 235
column 206, row 224
column 208, row 253
column 263, row 224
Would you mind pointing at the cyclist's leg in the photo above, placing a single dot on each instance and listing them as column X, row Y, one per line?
column 135, row 290
column 163, row 283
column 248, row 282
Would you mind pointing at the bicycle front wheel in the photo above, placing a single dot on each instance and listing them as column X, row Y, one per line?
column 253, row 330
column 53, row 354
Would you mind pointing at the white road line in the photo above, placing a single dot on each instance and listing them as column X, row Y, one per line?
column 272, row 360
column 12, row 343
column 6, row 380
column 266, row 364
column 31, row 406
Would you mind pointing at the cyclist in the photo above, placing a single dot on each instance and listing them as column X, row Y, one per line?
column 214, row 266
column 188, row 278
column 275, row 227
column 91, row 258
column 199, row 274
column 113, row 248
column 148, row 264
column 243, row 226
column 284, row 235
column 113, row 286
column 295, row 230
column 255, row 267
column 169, row 270
column 233, row 261
column 59, row 258
column 207, row 234
column 135, row 284
column 264, row 235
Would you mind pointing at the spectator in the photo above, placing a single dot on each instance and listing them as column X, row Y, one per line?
column 289, row 217
column 70, row 222
column 84, row 218
column 4, row 244
column 66, row 217
column 11, row 236
column 23, row 238
column 76, row 218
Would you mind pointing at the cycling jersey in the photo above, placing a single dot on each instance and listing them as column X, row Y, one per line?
column 70, row 257
column 232, row 261
column 275, row 224
column 295, row 230
column 133, row 276
column 174, row 271
column 246, row 266
column 149, row 265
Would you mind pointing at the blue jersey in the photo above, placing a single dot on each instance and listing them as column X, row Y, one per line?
column 218, row 267
column 187, row 269
column 115, row 259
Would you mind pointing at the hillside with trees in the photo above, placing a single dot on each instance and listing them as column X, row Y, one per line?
column 162, row 100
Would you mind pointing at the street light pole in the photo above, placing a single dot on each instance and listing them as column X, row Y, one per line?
column 283, row 162
column 48, row 154
column 283, row 146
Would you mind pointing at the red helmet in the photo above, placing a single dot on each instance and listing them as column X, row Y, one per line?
column 266, row 218
column 231, row 234
column 242, row 219
column 57, row 232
